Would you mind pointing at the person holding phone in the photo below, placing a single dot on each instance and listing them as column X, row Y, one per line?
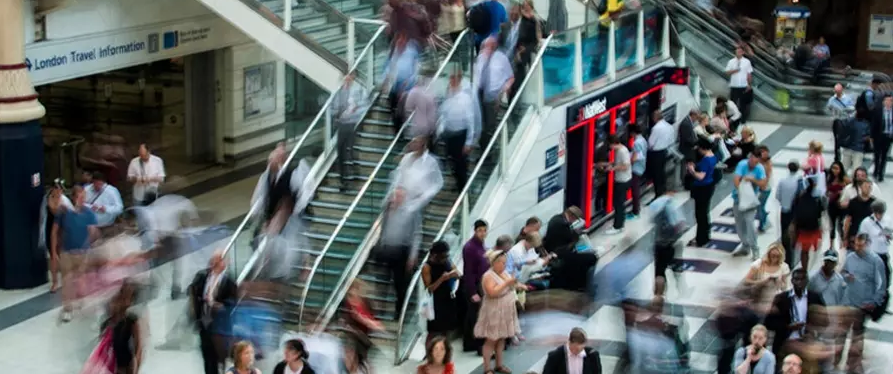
column 439, row 275
column 755, row 358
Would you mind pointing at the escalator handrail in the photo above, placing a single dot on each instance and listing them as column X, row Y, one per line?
column 327, row 311
column 474, row 174
column 316, row 120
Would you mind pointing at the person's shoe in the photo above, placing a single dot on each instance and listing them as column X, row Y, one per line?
column 741, row 251
column 613, row 231
column 754, row 256
column 65, row 317
column 632, row 216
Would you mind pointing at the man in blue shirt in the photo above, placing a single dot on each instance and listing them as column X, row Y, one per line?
column 78, row 229
column 752, row 174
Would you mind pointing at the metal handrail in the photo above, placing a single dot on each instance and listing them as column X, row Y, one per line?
column 360, row 194
column 316, row 120
column 465, row 190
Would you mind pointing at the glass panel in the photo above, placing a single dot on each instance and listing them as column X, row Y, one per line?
column 654, row 26
column 595, row 54
column 625, row 40
column 558, row 68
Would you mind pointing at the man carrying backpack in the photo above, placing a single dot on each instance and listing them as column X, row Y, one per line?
column 669, row 224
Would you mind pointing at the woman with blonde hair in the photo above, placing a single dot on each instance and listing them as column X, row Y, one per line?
column 814, row 167
column 243, row 359
column 498, row 318
column 769, row 275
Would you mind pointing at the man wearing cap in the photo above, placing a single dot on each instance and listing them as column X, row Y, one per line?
column 864, row 274
column 831, row 285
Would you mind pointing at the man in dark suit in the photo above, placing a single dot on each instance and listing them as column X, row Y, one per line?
column 787, row 318
column 882, row 136
column 688, row 140
column 209, row 293
column 574, row 357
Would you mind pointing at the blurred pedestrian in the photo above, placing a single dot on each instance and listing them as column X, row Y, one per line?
column 458, row 121
column 400, row 74
column 348, row 107
column 76, row 229
column 360, row 321
column 493, row 78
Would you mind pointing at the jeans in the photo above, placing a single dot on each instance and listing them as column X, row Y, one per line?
column 747, row 231
column 619, row 201
column 762, row 215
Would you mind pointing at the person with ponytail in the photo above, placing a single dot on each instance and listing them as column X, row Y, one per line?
column 296, row 357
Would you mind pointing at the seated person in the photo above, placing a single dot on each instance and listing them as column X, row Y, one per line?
column 523, row 259
column 572, row 268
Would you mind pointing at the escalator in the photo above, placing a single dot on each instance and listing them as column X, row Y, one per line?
column 312, row 36
column 764, row 56
column 250, row 257
column 708, row 48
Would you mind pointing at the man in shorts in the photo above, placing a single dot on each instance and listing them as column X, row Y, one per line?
column 77, row 229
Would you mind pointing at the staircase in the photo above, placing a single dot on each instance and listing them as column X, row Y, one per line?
column 310, row 35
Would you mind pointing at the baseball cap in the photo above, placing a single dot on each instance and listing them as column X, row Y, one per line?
column 830, row 255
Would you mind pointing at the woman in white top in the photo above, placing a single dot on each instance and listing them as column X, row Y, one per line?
column 732, row 112
column 452, row 19
column 770, row 275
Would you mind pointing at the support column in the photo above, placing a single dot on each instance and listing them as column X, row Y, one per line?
column 22, row 263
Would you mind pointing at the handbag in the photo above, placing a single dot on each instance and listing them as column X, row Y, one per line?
column 747, row 197
column 426, row 307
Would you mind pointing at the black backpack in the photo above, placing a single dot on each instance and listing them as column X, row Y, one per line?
column 862, row 102
column 808, row 212
column 667, row 233
column 479, row 19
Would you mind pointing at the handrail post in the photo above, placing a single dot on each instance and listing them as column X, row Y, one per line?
column 640, row 38
column 612, row 51
column 503, row 151
column 351, row 41
column 578, row 61
column 697, row 91
column 665, row 38
column 328, row 132
column 540, row 84
column 464, row 218
column 286, row 16
column 370, row 66
column 681, row 59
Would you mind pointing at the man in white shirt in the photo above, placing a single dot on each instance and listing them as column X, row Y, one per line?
column 574, row 357
column 880, row 230
column 146, row 172
column 623, row 174
column 104, row 200
column 457, row 125
column 663, row 136
column 524, row 258
column 493, row 78
column 740, row 72
column 347, row 108
column 415, row 181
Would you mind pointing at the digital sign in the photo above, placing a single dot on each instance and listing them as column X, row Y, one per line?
column 595, row 105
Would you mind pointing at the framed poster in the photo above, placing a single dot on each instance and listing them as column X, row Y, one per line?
column 260, row 90
column 880, row 33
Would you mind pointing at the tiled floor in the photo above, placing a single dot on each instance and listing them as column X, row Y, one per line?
column 28, row 343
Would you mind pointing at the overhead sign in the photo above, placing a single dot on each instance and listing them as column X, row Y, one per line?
column 58, row 60
column 622, row 93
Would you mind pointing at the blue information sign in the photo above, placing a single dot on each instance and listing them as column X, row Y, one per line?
column 549, row 183
column 551, row 157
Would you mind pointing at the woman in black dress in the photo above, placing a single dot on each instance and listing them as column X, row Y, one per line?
column 439, row 276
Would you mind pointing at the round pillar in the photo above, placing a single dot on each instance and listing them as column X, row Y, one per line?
column 22, row 263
